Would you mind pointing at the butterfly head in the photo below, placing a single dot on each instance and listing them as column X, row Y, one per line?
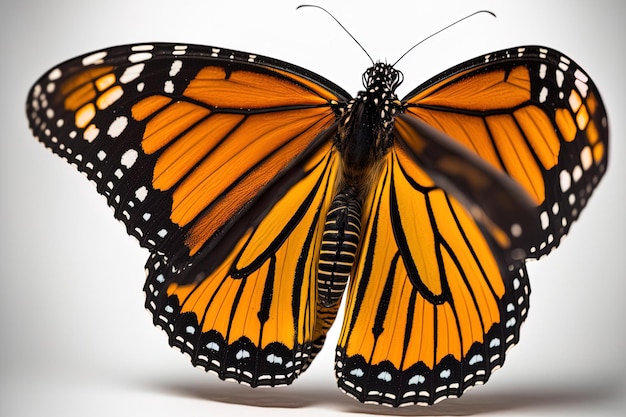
column 383, row 77
column 379, row 97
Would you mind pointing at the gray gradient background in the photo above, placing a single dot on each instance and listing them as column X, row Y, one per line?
column 74, row 337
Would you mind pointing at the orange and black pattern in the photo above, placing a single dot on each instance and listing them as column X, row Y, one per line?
column 262, row 190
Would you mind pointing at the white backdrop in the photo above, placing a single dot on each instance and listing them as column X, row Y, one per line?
column 74, row 337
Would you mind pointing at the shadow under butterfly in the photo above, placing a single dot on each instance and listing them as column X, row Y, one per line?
column 263, row 190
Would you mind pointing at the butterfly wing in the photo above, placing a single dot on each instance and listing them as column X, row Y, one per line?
column 533, row 114
column 220, row 163
column 430, row 311
column 180, row 139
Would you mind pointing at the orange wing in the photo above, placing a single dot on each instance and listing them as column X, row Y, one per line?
column 430, row 311
column 183, row 139
column 534, row 115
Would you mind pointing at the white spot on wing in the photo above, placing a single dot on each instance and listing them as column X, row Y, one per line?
column 581, row 75
column 94, row 58
column 475, row 359
column 139, row 57
column 565, row 180
column 129, row 158
column 559, row 78
column 141, row 193
column 91, row 133
column 271, row 358
column 586, row 158
column 55, row 74
column 131, row 73
column 417, row 379
column 582, row 87
column 242, row 354
column 175, row 67
column 180, row 50
column 577, row 173
column 117, row 126
column 384, row 376
column 145, row 47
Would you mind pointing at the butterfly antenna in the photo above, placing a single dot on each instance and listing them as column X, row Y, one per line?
column 339, row 23
column 441, row 30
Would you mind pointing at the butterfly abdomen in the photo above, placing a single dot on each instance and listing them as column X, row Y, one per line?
column 340, row 241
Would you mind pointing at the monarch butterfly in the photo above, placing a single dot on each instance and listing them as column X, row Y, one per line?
column 263, row 190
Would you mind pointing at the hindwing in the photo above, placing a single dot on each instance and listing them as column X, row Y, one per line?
column 430, row 310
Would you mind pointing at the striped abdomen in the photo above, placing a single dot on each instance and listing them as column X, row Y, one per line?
column 339, row 245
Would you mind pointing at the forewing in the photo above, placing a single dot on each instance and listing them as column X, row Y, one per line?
column 533, row 114
column 181, row 139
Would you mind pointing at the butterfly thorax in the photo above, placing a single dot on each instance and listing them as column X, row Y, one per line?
column 363, row 138
column 365, row 125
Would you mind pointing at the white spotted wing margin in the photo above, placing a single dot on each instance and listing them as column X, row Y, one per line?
column 241, row 361
column 383, row 383
column 82, row 111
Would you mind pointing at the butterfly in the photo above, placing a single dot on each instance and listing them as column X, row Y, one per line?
column 266, row 194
